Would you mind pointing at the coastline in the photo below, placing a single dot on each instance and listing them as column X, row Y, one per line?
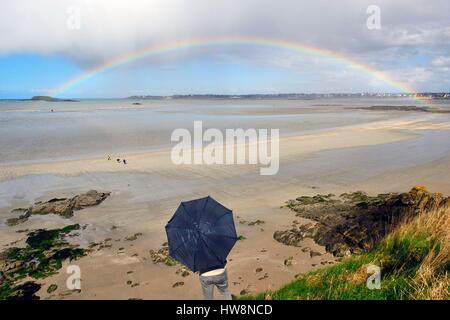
column 147, row 189
column 346, row 137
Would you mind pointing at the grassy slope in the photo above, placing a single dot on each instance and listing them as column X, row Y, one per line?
column 414, row 263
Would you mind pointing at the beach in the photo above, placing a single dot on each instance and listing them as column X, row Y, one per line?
column 325, row 147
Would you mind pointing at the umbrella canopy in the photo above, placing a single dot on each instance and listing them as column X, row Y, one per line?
column 201, row 234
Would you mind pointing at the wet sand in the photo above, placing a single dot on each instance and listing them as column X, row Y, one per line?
column 374, row 157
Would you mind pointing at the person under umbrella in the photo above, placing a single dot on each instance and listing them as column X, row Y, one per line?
column 201, row 234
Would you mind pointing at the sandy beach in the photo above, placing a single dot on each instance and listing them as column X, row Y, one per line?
column 392, row 152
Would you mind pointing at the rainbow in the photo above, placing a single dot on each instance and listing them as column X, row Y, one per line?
column 230, row 41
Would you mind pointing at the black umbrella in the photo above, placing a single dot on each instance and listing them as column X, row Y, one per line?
column 201, row 234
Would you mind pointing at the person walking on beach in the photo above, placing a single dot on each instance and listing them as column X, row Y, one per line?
column 215, row 278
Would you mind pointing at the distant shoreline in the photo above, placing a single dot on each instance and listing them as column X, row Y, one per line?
column 275, row 96
column 295, row 96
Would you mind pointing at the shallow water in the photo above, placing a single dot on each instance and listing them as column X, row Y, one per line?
column 29, row 132
column 76, row 130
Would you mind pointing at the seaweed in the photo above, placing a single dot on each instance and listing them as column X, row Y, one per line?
column 42, row 256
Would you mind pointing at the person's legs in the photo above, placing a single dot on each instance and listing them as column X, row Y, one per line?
column 207, row 288
column 222, row 285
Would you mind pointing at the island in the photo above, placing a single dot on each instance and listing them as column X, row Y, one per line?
column 50, row 99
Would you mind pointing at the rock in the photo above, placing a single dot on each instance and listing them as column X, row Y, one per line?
column 178, row 284
column 133, row 237
column 289, row 237
column 20, row 210
column 354, row 223
column 25, row 291
column 10, row 265
column 257, row 222
column 288, row 261
column 89, row 199
column 294, row 236
column 257, row 270
column 183, row 271
column 42, row 256
column 266, row 275
column 313, row 254
column 52, row 288
column 22, row 218
column 244, row 292
column 51, row 99
column 341, row 250
column 162, row 256
column 60, row 206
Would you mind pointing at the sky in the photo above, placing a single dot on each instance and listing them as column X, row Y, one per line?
column 47, row 43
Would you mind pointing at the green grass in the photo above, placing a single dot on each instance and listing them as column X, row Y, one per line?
column 414, row 262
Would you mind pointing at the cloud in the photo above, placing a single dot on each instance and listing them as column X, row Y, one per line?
column 441, row 61
column 409, row 28
column 109, row 27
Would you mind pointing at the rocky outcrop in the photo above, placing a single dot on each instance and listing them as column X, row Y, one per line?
column 50, row 99
column 42, row 256
column 294, row 236
column 354, row 222
column 60, row 206
column 404, row 108
column 163, row 256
